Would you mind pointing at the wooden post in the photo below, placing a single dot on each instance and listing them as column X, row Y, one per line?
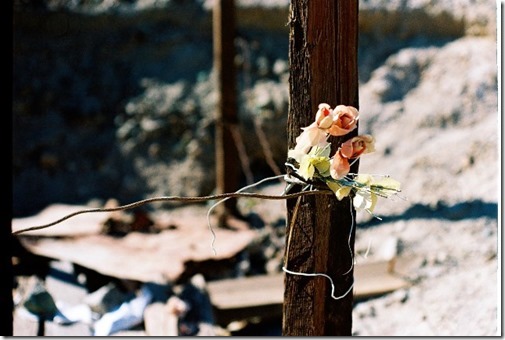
column 227, row 161
column 323, row 63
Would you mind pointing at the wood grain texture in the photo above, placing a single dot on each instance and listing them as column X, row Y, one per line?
column 323, row 62
column 227, row 160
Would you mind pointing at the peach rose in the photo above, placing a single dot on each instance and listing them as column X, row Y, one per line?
column 350, row 149
column 324, row 116
column 356, row 146
column 339, row 166
column 345, row 119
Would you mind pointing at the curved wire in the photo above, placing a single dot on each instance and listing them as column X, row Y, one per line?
column 175, row 198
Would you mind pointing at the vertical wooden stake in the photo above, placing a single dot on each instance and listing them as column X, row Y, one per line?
column 323, row 65
column 227, row 162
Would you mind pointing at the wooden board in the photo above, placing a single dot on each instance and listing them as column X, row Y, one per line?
column 235, row 299
column 143, row 257
column 374, row 279
column 155, row 257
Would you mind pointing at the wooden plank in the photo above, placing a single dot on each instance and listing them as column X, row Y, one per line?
column 249, row 291
column 159, row 258
column 375, row 278
column 235, row 299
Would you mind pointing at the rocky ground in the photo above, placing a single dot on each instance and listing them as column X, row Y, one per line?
column 428, row 93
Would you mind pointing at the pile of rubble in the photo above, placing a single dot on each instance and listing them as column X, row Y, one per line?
column 142, row 273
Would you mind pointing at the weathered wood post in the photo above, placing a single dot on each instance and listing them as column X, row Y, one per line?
column 323, row 63
column 227, row 161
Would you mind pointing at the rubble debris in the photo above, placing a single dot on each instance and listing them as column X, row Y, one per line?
column 107, row 298
column 141, row 256
column 188, row 312
column 129, row 314
column 120, row 223
column 154, row 277
column 39, row 302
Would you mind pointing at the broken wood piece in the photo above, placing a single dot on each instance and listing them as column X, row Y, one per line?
column 155, row 320
column 188, row 313
column 158, row 258
column 175, row 308
column 137, row 256
column 162, row 319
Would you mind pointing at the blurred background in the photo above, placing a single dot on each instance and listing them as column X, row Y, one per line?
column 116, row 99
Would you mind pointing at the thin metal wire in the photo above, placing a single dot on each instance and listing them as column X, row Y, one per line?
column 323, row 275
column 189, row 199
column 286, row 256
column 227, row 198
